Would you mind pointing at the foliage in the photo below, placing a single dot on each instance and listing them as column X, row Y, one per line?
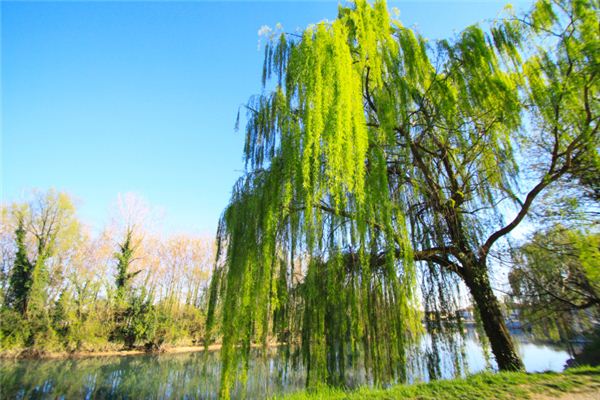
column 377, row 152
column 125, row 258
column 66, row 323
column 557, row 279
column 21, row 276
column 14, row 329
column 135, row 319
column 134, row 311
column 48, row 225
column 56, row 295
column 590, row 353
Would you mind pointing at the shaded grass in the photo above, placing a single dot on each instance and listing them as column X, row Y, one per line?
column 487, row 385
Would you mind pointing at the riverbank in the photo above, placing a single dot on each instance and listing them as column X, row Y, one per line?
column 582, row 383
column 53, row 355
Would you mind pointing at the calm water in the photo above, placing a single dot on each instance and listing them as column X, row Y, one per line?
column 196, row 375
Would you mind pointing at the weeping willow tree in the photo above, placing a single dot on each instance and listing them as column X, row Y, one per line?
column 373, row 152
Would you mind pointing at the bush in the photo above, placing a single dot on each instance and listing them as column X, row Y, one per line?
column 14, row 330
column 590, row 354
column 134, row 320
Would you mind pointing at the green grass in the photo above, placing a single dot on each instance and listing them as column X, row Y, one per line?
column 483, row 386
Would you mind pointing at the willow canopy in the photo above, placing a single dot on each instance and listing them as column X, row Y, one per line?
column 378, row 165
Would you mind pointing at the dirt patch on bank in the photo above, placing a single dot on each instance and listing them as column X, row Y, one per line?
column 104, row 353
column 579, row 395
column 118, row 353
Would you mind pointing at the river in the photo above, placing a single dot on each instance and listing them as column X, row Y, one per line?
column 196, row 375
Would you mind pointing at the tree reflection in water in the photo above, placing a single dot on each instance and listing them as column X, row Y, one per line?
column 196, row 375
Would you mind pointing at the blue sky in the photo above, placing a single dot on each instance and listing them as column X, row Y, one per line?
column 102, row 98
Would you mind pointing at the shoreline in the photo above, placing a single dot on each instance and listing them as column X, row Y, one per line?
column 51, row 355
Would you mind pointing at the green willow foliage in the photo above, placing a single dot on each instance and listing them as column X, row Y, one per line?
column 373, row 150
column 306, row 146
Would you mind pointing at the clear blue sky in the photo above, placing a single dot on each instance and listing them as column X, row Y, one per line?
column 101, row 98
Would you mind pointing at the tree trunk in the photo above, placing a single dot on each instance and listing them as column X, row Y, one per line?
column 493, row 321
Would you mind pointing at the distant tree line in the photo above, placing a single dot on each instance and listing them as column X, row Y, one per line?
column 63, row 288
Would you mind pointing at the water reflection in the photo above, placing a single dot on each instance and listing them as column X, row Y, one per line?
column 537, row 356
column 196, row 375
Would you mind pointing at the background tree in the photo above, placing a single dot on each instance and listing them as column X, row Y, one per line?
column 130, row 307
column 7, row 249
column 75, row 304
column 376, row 150
column 20, row 280
column 557, row 280
column 125, row 258
column 45, row 227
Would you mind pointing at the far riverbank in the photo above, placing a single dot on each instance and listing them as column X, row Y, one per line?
column 51, row 355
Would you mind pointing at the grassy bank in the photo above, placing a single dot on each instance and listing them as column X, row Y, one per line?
column 501, row 386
